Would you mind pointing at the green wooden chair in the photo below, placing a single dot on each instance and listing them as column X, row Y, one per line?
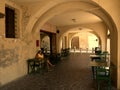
column 103, row 74
column 34, row 65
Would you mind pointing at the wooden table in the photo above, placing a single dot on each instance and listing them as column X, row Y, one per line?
column 95, row 57
column 96, row 61
column 95, row 64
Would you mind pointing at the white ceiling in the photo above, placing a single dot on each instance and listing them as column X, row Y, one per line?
column 21, row 1
column 81, row 17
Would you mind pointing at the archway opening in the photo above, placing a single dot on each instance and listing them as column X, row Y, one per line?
column 95, row 9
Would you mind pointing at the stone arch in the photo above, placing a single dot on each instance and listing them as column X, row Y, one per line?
column 83, row 5
column 61, row 8
column 57, row 8
column 93, row 32
column 81, row 45
column 90, row 30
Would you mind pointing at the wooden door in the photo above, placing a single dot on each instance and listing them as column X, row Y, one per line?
column 53, row 47
column 53, row 43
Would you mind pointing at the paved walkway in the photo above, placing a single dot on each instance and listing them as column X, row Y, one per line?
column 71, row 73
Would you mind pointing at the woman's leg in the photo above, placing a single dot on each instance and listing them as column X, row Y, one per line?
column 49, row 63
column 48, row 67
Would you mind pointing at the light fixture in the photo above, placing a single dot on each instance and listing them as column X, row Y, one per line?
column 1, row 15
column 57, row 30
column 74, row 20
column 80, row 28
column 96, row 40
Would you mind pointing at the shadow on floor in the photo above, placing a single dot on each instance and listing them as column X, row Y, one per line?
column 71, row 73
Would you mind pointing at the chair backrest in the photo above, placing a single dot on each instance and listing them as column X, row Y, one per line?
column 102, row 72
column 105, row 56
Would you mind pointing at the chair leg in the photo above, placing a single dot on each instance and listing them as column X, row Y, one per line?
column 98, row 85
column 109, row 85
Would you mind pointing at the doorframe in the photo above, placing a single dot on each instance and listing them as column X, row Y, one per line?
column 53, row 45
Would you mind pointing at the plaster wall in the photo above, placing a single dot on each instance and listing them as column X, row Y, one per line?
column 2, row 5
column 34, row 7
column 14, row 52
column 49, row 27
column 2, row 19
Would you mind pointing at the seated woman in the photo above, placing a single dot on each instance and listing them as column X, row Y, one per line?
column 39, row 55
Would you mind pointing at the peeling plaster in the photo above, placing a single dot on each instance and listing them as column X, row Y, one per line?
column 8, row 57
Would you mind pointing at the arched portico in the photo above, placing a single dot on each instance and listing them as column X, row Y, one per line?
column 58, row 8
column 85, row 28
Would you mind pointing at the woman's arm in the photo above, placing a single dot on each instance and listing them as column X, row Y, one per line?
column 40, row 56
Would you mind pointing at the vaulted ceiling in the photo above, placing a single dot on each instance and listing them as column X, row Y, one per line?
column 74, row 17
column 69, row 17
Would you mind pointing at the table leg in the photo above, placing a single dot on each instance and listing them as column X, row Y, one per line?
column 93, row 71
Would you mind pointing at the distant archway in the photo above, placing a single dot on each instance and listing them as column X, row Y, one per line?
column 75, row 42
